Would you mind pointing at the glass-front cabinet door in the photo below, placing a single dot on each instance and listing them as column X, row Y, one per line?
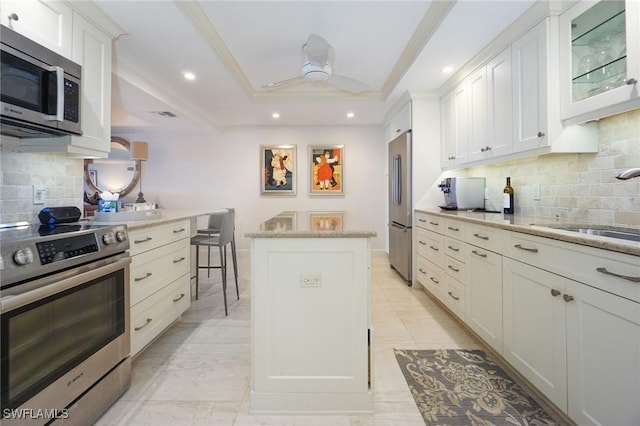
column 599, row 57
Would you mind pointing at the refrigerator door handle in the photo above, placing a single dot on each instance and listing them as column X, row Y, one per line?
column 396, row 181
column 395, row 225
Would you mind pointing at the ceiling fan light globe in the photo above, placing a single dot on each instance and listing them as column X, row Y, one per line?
column 315, row 73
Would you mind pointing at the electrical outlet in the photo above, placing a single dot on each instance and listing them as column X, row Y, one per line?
column 536, row 192
column 310, row 280
column 39, row 192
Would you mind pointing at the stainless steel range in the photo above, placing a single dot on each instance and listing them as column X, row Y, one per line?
column 64, row 330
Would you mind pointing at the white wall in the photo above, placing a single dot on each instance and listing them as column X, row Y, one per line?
column 223, row 170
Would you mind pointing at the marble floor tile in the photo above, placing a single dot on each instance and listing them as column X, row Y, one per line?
column 198, row 372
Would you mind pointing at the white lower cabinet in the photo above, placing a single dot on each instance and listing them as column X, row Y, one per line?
column 160, row 284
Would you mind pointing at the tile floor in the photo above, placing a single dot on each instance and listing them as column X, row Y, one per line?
column 198, row 372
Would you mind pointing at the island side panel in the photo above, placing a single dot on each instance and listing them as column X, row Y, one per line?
column 311, row 318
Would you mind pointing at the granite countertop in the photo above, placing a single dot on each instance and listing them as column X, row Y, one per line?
column 163, row 216
column 300, row 224
column 545, row 227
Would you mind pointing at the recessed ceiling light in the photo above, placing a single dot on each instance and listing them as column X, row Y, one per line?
column 447, row 70
column 350, row 115
column 275, row 115
column 189, row 75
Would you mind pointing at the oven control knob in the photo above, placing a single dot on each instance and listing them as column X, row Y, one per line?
column 23, row 256
column 109, row 238
column 121, row 236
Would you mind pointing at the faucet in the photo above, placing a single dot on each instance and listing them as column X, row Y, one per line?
column 629, row 173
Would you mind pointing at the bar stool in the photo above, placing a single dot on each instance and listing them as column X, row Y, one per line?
column 213, row 228
column 221, row 240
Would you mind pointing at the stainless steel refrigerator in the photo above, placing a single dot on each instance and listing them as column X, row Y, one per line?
column 400, row 205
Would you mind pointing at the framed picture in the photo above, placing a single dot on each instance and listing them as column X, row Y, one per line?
column 326, row 221
column 283, row 222
column 278, row 175
column 326, row 169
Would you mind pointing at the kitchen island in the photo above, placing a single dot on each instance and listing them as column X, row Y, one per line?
column 311, row 314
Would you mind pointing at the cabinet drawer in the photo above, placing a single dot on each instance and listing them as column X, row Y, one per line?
column 454, row 297
column 431, row 277
column 146, row 239
column 484, row 236
column 153, row 270
column 430, row 246
column 455, row 229
column 150, row 317
column 456, row 249
column 455, row 268
column 430, row 222
column 610, row 271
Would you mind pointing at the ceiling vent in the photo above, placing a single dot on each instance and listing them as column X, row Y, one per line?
column 163, row 113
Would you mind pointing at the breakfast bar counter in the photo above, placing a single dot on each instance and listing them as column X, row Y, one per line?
column 311, row 314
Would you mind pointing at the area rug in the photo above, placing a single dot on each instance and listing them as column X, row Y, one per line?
column 464, row 387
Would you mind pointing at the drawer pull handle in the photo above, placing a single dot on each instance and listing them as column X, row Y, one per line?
column 143, row 278
column 422, row 271
column 422, row 242
column 453, row 269
column 624, row 277
column 453, row 248
column 567, row 298
column 422, row 220
column 434, row 248
column 434, row 223
column 179, row 260
column 453, row 297
column 181, row 296
column 555, row 292
column 177, row 231
column 434, row 280
column 532, row 250
column 453, row 229
column 479, row 254
column 482, row 237
column 143, row 241
column 143, row 326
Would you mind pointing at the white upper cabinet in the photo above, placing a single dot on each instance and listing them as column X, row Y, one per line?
column 500, row 109
column 599, row 59
column 399, row 123
column 46, row 22
column 455, row 124
column 477, row 115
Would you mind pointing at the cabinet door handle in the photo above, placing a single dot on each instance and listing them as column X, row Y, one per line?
column 434, row 223
column 624, row 277
column 13, row 17
column 479, row 254
column 453, row 269
column 434, row 248
column 482, row 237
column 541, row 134
column 453, row 229
column 144, row 325
column 143, row 241
column 177, row 231
column 179, row 260
column 555, row 292
column 453, row 297
column 628, row 81
column 532, row 250
column 178, row 299
column 567, row 298
column 143, row 278
column 434, row 280
column 453, row 248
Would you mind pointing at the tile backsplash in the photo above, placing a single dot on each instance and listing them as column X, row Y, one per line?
column 60, row 175
column 578, row 187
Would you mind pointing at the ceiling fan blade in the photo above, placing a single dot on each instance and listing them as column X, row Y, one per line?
column 283, row 83
column 348, row 84
column 317, row 50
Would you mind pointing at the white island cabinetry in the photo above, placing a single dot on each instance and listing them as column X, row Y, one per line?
column 159, row 279
column 311, row 320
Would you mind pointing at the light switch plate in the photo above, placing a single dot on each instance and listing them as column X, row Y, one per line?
column 39, row 193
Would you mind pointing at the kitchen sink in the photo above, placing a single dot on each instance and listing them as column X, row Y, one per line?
column 626, row 234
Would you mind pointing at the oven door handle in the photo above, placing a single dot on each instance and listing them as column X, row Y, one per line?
column 10, row 302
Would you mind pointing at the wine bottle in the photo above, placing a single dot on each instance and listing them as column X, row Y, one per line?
column 507, row 198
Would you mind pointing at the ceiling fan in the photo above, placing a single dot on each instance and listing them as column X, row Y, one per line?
column 318, row 66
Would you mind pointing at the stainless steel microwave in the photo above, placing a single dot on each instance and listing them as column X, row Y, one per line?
column 40, row 90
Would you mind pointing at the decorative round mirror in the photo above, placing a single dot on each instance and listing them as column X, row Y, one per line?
column 117, row 174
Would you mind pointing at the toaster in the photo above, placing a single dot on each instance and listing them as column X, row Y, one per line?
column 463, row 193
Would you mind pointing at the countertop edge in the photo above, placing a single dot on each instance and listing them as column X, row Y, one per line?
column 319, row 234
column 536, row 226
